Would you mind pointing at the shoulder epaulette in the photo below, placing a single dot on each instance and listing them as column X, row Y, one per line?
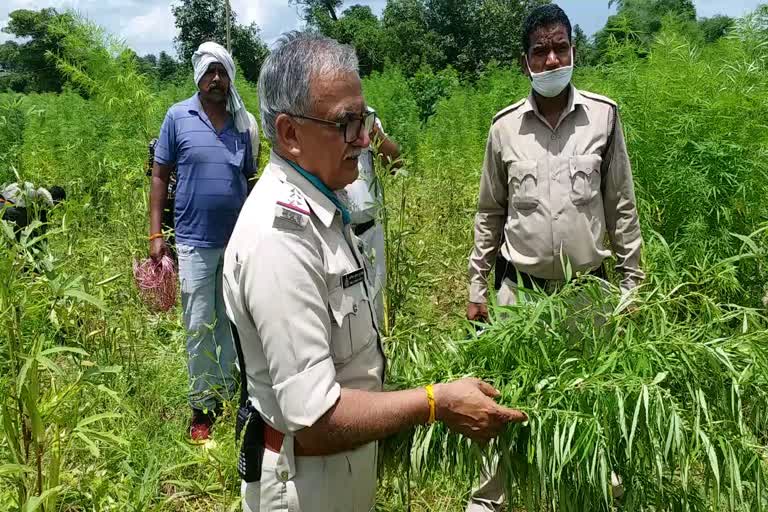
column 598, row 97
column 291, row 209
column 509, row 109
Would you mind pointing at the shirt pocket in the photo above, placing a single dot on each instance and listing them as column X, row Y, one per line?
column 523, row 184
column 236, row 158
column 585, row 178
column 351, row 322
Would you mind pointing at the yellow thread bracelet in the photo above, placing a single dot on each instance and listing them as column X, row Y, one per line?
column 431, row 399
column 155, row 236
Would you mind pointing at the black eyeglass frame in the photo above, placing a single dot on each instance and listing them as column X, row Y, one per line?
column 343, row 125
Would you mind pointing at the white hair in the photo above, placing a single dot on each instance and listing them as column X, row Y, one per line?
column 286, row 75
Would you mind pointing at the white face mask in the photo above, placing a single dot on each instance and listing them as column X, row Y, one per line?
column 551, row 83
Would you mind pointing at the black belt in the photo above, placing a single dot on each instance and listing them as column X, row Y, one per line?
column 359, row 229
column 505, row 269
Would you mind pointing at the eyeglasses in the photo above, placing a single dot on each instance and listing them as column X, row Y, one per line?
column 350, row 128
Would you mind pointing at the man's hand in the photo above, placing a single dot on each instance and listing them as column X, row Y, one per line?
column 477, row 312
column 157, row 249
column 467, row 406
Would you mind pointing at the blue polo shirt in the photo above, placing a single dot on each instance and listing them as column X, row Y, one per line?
column 213, row 169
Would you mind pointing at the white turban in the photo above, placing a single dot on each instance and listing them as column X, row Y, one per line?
column 207, row 54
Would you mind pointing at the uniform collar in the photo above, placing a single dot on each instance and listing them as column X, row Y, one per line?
column 320, row 203
column 574, row 99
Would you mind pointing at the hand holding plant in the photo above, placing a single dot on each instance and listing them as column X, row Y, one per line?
column 467, row 406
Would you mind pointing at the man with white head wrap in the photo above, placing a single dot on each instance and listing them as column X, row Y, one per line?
column 209, row 139
column 210, row 53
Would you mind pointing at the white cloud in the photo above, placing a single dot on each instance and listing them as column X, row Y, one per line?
column 145, row 25
column 151, row 32
column 272, row 16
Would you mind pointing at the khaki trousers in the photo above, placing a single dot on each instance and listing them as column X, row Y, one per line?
column 345, row 482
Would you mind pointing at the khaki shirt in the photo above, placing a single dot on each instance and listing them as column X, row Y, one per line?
column 549, row 196
column 297, row 288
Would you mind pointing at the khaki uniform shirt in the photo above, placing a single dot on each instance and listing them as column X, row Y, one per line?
column 297, row 288
column 550, row 196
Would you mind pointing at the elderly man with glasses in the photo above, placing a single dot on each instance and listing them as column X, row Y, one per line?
column 298, row 292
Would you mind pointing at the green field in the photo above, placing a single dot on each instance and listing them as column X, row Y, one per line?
column 675, row 395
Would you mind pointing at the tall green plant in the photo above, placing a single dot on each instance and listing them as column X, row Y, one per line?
column 47, row 412
column 670, row 397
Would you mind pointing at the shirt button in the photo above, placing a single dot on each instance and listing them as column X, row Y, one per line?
column 284, row 476
column 554, row 137
column 354, row 309
column 556, row 216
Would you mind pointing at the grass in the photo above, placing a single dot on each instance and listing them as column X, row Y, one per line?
column 93, row 386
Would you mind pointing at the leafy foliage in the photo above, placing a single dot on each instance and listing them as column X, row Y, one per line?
column 28, row 63
column 413, row 34
column 199, row 21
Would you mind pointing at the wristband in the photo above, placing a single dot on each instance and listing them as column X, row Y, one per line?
column 431, row 399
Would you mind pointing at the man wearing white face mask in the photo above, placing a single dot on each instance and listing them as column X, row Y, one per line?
column 556, row 179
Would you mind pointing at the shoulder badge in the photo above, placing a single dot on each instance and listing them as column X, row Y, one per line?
column 291, row 209
column 598, row 97
column 509, row 109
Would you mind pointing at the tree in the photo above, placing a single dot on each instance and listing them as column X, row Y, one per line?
column 249, row 50
column 715, row 27
column 147, row 65
column 464, row 34
column 358, row 27
column 471, row 33
column 167, row 67
column 205, row 20
column 499, row 30
column 453, row 22
column 638, row 21
column 29, row 61
column 585, row 50
column 312, row 9
column 408, row 40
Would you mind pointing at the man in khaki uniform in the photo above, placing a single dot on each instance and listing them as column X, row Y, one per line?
column 556, row 179
column 299, row 292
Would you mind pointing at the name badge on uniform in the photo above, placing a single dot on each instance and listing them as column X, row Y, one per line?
column 353, row 278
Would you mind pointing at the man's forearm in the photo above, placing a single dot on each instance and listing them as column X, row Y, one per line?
column 158, row 192
column 360, row 417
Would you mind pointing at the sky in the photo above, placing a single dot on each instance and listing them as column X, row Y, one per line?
column 147, row 25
